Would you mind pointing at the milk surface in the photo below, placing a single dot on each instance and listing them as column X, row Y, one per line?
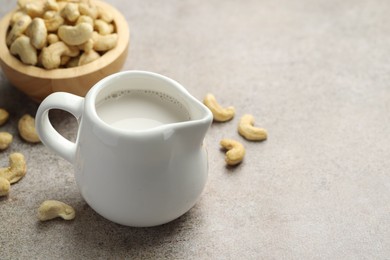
column 140, row 110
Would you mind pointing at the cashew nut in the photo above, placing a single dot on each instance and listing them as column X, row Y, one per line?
column 84, row 19
column 104, row 42
column 73, row 62
column 4, row 186
column 51, row 55
column 235, row 153
column 70, row 12
column 5, row 140
column 16, row 170
column 51, row 209
column 64, row 60
column 53, row 21
column 86, row 46
column 16, row 16
column 88, row 57
column 52, row 38
column 27, row 130
column 75, row 35
column 62, row 3
column 247, row 130
column 51, row 5
column 18, row 28
column 219, row 114
column 4, row 115
column 103, row 27
column 49, row 14
column 22, row 3
column 89, row 10
column 34, row 8
column 23, row 48
column 37, row 32
column 104, row 15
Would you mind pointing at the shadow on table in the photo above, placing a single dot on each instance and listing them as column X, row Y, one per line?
column 93, row 234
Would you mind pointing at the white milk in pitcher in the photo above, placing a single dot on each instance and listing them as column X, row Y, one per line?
column 140, row 109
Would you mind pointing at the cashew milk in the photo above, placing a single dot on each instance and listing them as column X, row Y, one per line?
column 140, row 110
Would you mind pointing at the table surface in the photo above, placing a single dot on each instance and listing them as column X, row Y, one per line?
column 315, row 74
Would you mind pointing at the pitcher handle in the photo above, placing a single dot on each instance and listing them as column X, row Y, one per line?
column 48, row 135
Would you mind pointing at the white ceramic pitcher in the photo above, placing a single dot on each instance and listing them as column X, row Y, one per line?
column 133, row 177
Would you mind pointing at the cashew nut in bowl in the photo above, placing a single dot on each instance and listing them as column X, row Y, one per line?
column 22, row 3
column 27, row 130
column 16, row 170
column 87, row 46
column 34, row 8
column 16, row 16
column 51, row 55
column 84, row 19
column 248, row 131
column 53, row 21
column 75, row 35
column 89, row 10
column 104, row 15
column 5, row 140
column 4, row 115
column 80, row 23
column 64, row 60
column 51, row 209
column 235, row 153
column 18, row 28
column 37, row 32
column 23, row 48
column 88, row 57
column 73, row 62
column 220, row 114
column 4, row 186
column 52, row 38
column 52, row 5
column 104, row 42
column 70, row 12
column 103, row 27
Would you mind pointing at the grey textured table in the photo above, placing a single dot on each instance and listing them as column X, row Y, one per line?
column 315, row 74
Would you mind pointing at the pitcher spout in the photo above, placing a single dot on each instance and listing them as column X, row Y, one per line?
column 192, row 132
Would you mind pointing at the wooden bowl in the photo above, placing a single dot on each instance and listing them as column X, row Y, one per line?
column 38, row 83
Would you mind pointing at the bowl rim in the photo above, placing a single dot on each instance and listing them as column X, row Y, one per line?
column 122, row 29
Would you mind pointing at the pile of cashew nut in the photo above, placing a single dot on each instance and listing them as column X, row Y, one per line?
column 26, row 127
column 17, row 168
column 5, row 137
column 235, row 150
column 60, row 33
column 17, row 164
